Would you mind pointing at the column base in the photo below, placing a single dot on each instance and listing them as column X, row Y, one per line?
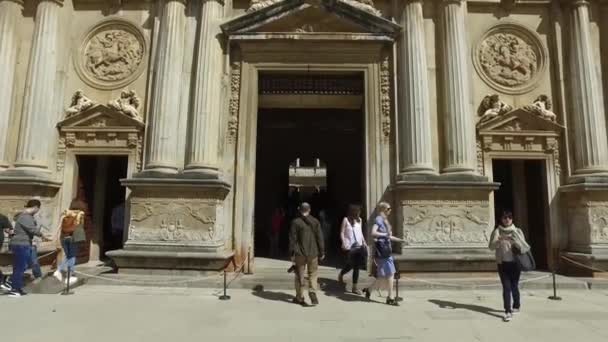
column 446, row 259
column 446, row 225
column 176, row 223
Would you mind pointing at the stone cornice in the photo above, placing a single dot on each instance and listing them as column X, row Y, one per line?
column 58, row 2
column 18, row 2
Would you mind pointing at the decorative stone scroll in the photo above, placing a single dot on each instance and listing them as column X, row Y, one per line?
column 128, row 103
column 492, row 106
column 235, row 93
column 385, row 97
column 510, row 58
column 542, row 107
column 111, row 55
column 79, row 104
column 434, row 222
column 176, row 220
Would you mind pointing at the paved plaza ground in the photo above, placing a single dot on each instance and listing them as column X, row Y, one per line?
column 98, row 313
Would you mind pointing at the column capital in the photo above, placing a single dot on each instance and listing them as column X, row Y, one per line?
column 577, row 3
column 447, row 2
column 58, row 2
column 221, row 2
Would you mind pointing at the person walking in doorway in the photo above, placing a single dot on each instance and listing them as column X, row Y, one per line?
column 71, row 232
column 385, row 265
column 504, row 239
column 276, row 225
column 353, row 244
column 306, row 249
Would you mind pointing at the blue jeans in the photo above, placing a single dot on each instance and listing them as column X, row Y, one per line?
column 21, row 258
column 69, row 249
column 33, row 264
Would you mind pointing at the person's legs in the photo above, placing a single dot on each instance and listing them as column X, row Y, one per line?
column 21, row 257
column 389, row 286
column 299, row 276
column 64, row 262
column 506, row 286
column 72, row 260
column 515, row 274
column 34, row 264
column 312, row 265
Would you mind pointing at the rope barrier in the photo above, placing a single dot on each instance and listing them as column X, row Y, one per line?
column 155, row 282
column 471, row 286
column 582, row 265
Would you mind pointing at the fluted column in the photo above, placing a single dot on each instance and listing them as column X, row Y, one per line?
column 164, row 124
column 9, row 12
column 38, row 117
column 589, row 120
column 414, row 114
column 458, row 116
column 203, row 144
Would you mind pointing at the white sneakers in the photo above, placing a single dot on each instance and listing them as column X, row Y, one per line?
column 508, row 317
column 516, row 311
column 73, row 281
column 57, row 274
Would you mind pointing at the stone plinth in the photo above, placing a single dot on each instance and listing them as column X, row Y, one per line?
column 446, row 225
column 587, row 219
column 175, row 223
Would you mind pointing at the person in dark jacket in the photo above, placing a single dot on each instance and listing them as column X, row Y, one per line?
column 306, row 248
column 20, row 245
column 5, row 228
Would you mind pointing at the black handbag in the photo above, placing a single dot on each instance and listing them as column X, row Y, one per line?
column 383, row 248
column 525, row 261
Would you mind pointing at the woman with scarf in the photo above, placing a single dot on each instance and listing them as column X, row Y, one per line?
column 508, row 240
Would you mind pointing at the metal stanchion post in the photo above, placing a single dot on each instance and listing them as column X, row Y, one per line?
column 224, row 296
column 397, row 298
column 67, row 291
column 554, row 297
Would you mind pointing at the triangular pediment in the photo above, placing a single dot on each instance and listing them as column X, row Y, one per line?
column 519, row 120
column 311, row 17
column 100, row 117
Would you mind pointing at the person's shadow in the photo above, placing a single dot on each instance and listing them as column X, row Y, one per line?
column 444, row 304
column 259, row 291
column 332, row 288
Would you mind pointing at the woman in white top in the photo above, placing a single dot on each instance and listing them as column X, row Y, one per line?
column 353, row 243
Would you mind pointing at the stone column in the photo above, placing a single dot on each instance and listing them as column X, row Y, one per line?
column 458, row 120
column 164, row 124
column 38, row 117
column 591, row 145
column 9, row 12
column 204, row 135
column 414, row 115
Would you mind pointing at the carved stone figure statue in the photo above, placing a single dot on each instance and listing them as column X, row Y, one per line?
column 79, row 104
column 259, row 4
column 128, row 104
column 366, row 5
column 542, row 107
column 491, row 107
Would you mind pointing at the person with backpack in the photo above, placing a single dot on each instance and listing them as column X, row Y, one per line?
column 507, row 241
column 306, row 249
column 71, row 232
column 383, row 259
column 20, row 245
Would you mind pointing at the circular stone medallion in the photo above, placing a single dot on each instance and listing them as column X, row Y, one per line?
column 111, row 55
column 510, row 58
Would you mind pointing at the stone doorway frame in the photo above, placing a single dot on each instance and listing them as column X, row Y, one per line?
column 374, row 61
column 522, row 135
column 98, row 131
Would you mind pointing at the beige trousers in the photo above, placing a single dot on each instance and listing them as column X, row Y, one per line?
column 311, row 264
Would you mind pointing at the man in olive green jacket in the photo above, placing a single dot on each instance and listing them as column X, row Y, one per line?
column 305, row 248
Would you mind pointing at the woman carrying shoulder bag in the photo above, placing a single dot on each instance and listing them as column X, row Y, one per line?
column 71, row 232
column 353, row 243
column 385, row 266
column 508, row 241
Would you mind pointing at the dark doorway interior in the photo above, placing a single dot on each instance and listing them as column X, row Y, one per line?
column 99, row 179
column 528, row 187
column 335, row 137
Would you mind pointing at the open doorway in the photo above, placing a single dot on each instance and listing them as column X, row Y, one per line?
column 99, row 187
column 523, row 189
column 312, row 155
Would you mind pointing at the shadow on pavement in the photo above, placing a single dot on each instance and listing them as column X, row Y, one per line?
column 258, row 291
column 445, row 304
column 333, row 288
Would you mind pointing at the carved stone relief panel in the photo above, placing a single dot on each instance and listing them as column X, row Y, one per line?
column 435, row 222
column 12, row 205
column 385, row 97
column 235, row 95
column 588, row 223
column 182, row 221
column 111, row 55
column 510, row 58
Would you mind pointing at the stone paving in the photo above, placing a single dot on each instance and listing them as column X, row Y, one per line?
column 98, row 313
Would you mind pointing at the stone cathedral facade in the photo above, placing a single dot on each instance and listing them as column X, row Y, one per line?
column 449, row 88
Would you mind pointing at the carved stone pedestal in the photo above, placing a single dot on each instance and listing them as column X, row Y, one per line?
column 446, row 226
column 174, row 224
column 587, row 218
